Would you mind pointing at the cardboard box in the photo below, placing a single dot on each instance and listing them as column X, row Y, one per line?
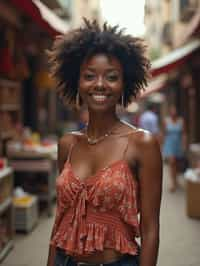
column 193, row 199
column 194, row 154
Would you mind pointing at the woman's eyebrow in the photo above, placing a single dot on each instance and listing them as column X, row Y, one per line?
column 90, row 68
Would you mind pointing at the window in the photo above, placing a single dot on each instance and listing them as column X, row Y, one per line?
column 183, row 4
column 187, row 9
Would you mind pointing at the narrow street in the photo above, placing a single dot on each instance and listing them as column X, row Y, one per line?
column 144, row 59
column 180, row 236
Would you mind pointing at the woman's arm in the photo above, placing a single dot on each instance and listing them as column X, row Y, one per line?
column 63, row 148
column 150, row 183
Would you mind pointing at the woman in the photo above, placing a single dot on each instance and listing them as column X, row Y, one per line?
column 174, row 143
column 110, row 171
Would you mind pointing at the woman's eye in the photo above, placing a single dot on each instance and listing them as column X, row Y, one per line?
column 88, row 76
column 112, row 77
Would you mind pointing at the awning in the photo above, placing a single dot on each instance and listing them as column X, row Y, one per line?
column 174, row 58
column 161, row 67
column 154, row 85
column 42, row 15
column 52, row 4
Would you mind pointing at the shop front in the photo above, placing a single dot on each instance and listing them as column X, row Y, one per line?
column 27, row 153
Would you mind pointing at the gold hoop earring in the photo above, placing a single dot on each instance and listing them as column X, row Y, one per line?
column 78, row 100
column 122, row 100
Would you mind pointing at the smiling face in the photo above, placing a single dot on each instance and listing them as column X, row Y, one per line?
column 101, row 82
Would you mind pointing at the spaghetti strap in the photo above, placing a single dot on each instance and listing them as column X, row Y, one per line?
column 70, row 150
column 125, row 150
column 129, row 133
column 126, row 147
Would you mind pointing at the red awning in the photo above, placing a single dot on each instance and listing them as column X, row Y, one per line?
column 154, row 85
column 42, row 15
column 162, row 66
column 174, row 59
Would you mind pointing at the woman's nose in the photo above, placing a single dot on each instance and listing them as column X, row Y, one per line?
column 100, row 83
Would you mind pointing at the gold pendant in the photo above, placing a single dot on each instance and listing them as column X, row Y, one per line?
column 92, row 142
column 95, row 141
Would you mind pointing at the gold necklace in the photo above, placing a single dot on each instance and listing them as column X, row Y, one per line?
column 92, row 141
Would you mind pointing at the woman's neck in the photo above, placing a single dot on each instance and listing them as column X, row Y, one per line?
column 101, row 123
column 174, row 118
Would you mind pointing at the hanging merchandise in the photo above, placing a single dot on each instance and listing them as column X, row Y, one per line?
column 21, row 65
column 6, row 63
column 43, row 80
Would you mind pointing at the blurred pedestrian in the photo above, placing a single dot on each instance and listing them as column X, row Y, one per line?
column 148, row 120
column 83, row 118
column 110, row 171
column 174, row 143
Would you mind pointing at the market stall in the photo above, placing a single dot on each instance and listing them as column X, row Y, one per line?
column 28, row 159
column 6, row 209
column 192, row 176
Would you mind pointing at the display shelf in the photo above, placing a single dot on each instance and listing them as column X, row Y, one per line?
column 10, row 110
column 5, row 204
column 9, row 107
column 6, row 186
column 6, row 211
column 6, row 134
column 43, row 197
column 6, row 249
column 26, row 213
column 6, row 171
column 9, row 83
column 36, row 166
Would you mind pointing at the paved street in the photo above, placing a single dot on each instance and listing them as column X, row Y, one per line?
column 180, row 236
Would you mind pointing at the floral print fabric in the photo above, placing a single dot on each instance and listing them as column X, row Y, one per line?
column 97, row 213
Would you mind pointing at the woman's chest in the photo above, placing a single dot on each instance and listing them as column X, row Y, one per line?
column 107, row 187
column 88, row 161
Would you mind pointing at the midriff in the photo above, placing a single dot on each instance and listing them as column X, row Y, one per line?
column 105, row 256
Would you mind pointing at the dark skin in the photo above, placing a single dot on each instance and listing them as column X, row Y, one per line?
column 103, row 75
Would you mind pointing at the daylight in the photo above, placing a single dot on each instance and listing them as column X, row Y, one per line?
column 127, row 13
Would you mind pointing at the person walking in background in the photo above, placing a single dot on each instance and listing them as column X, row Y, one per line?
column 148, row 120
column 174, row 143
column 110, row 171
column 83, row 118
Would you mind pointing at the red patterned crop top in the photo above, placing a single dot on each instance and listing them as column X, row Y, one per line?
column 97, row 213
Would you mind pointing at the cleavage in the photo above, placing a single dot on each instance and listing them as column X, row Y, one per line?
column 85, row 171
column 89, row 161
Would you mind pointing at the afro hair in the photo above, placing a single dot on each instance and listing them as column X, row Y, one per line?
column 71, row 49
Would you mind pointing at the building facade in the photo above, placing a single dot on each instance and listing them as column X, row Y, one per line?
column 166, row 22
column 173, row 26
column 73, row 11
column 89, row 9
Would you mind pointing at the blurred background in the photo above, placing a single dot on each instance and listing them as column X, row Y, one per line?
column 32, row 117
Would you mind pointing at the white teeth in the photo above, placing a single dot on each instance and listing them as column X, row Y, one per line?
column 99, row 97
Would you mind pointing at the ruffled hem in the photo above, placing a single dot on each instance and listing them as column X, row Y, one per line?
column 97, row 238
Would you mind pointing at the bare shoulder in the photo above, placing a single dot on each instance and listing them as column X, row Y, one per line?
column 143, row 137
column 68, row 139
column 64, row 145
column 145, row 143
column 139, row 138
